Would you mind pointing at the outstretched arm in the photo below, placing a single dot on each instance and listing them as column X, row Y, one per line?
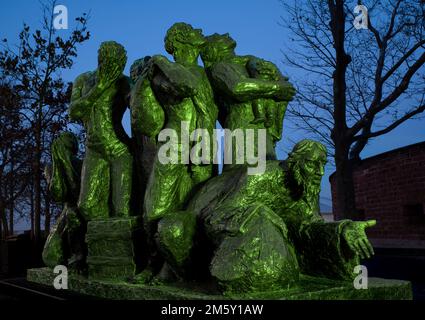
column 356, row 238
column 147, row 114
column 172, row 78
column 227, row 79
column 81, row 104
column 330, row 249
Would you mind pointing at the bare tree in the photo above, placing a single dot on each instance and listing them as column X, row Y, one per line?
column 13, row 156
column 34, row 67
column 357, row 84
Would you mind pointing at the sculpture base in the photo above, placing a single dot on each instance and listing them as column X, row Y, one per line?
column 106, row 261
column 308, row 289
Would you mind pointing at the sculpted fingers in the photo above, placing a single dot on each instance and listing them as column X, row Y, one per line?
column 369, row 223
column 369, row 247
column 355, row 248
column 359, row 250
column 364, row 248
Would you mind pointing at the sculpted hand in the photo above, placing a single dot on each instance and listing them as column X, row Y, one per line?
column 355, row 235
column 148, row 70
column 157, row 62
column 157, row 59
column 287, row 91
column 108, row 74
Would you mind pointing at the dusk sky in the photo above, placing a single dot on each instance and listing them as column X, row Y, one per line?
column 141, row 25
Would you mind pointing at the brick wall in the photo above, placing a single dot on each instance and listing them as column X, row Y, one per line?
column 390, row 188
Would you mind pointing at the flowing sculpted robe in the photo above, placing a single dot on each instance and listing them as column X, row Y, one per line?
column 262, row 234
column 107, row 166
column 175, row 95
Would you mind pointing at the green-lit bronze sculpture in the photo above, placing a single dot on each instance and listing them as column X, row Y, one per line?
column 65, row 243
column 251, row 92
column 177, row 97
column 263, row 230
column 240, row 233
column 147, row 119
column 177, row 94
column 99, row 100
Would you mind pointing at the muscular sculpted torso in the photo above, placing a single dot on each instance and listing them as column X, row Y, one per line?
column 186, row 97
column 185, row 93
column 104, row 133
column 236, row 92
column 99, row 100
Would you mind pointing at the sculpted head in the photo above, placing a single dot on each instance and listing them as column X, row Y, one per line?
column 217, row 48
column 137, row 68
column 112, row 58
column 306, row 164
column 184, row 42
column 262, row 69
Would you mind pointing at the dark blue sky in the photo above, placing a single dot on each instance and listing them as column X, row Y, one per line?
column 141, row 25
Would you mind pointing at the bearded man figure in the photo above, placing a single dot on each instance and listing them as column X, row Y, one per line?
column 330, row 250
column 266, row 229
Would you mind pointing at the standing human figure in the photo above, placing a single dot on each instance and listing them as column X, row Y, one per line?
column 65, row 243
column 242, row 87
column 99, row 100
column 185, row 94
column 175, row 95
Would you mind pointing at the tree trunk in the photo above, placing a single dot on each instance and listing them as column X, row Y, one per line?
column 344, row 185
column 11, row 199
column 345, row 201
column 32, row 208
column 37, row 180
column 11, row 222
column 47, row 214
column 3, row 221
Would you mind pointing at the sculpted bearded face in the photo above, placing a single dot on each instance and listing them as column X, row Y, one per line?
column 306, row 164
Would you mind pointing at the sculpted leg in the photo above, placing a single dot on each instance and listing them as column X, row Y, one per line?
column 53, row 252
column 167, row 190
column 175, row 237
column 121, row 173
column 253, row 253
column 94, row 194
column 76, row 230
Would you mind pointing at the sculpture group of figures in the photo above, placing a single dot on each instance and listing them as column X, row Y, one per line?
column 245, row 232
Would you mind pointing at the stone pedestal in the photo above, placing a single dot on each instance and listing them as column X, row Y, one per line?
column 308, row 289
column 112, row 247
